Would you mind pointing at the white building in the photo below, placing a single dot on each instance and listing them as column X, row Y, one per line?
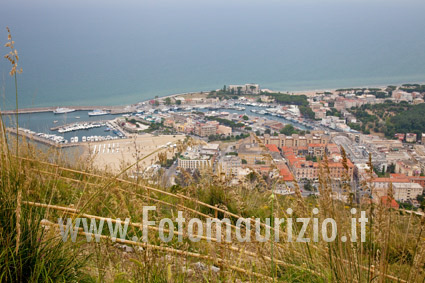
column 244, row 89
column 406, row 191
column 193, row 158
column 230, row 165
column 403, row 190
column 197, row 163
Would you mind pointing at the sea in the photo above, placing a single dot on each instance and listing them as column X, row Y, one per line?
column 122, row 52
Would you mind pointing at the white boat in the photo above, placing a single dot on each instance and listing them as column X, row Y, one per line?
column 61, row 110
column 98, row 112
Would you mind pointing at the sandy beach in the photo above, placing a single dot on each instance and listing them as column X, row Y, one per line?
column 115, row 155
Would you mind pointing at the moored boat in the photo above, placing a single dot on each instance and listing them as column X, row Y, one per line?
column 61, row 110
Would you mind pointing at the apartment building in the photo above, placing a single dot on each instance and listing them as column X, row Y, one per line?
column 205, row 129
column 295, row 140
column 195, row 163
column 195, row 158
column 408, row 167
column 253, row 154
column 230, row 165
column 304, row 169
column 403, row 188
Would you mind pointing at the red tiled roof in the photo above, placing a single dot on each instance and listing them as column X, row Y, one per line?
column 272, row 147
column 316, row 145
column 398, row 176
column 286, row 174
column 391, row 180
column 416, row 177
column 389, row 202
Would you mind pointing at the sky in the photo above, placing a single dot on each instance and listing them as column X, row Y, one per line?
column 110, row 52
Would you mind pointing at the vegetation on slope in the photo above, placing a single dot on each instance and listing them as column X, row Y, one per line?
column 391, row 118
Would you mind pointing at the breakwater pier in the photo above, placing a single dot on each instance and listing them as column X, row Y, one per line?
column 112, row 109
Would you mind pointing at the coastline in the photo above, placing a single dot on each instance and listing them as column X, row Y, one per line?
column 311, row 91
column 120, row 109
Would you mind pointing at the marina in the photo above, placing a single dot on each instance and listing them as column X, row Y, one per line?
column 47, row 139
column 59, row 141
column 269, row 111
column 78, row 126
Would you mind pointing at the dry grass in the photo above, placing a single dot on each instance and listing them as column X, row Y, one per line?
column 393, row 250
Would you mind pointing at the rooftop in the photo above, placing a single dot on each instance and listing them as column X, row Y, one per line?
column 272, row 148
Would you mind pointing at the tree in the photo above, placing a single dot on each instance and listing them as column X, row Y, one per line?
column 246, row 118
column 244, row 161
column 178, row 102
column 267, row 131
column 391, row 168
column 333, row 112
column 239, row 90
column 422, row 205
column 308, row 186
column 156, row 103
column 167, row 101
column 307, row 112
column 288, row 130
column 252, row 88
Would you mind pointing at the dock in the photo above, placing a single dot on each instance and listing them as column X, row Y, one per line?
column 41, row 140
column 79, row 122
column 114, row 110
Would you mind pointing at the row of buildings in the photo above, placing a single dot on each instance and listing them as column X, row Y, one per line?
column 190, row 125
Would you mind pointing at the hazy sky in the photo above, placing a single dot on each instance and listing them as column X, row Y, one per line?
column 91, row 50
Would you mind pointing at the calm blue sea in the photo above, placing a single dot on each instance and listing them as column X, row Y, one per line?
column 120, row 52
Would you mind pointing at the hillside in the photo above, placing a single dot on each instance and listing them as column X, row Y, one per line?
column 410, row 121
column 36, row 192
column 391, row 118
